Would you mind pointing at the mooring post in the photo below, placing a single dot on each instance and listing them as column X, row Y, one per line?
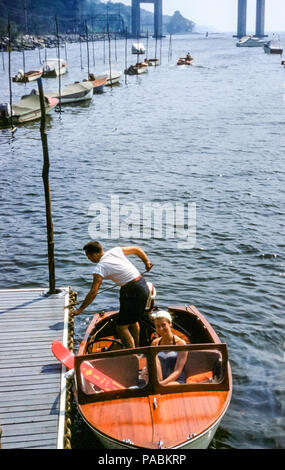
column 13, row 129
column 126, row 54
column 58, row 63
column 45, row 176
column 110, row 65
column 87, row 45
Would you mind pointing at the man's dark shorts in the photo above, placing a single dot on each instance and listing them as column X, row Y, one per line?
column 133, row 299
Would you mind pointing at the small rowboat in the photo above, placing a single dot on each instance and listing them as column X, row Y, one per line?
column 98, row 84
column 77, row 91
column 185, row 61
column 24, row 77
column 112, row 77
column 127, row 408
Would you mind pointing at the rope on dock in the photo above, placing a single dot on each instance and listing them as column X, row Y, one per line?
column 69, row 381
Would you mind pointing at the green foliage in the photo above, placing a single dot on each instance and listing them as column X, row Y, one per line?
column 179, row 25
column 38, row 17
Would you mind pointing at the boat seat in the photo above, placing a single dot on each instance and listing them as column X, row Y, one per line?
column 202, row 365
column 124, row 370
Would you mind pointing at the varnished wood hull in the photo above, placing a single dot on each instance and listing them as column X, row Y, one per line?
column 202, row 441
column 185, row 420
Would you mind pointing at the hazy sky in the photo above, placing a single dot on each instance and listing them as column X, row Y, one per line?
column 222, row 14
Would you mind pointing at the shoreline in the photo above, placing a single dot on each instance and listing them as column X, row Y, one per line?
column 31, row 42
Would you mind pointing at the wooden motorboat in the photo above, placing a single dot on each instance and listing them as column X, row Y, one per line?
column 152, row 62
column 24, row 77
column 27, row 109
column 54, row 67
column 273, row 47
column 78, row 91
column 125, row 409
column 185, row 60
column 137, row 69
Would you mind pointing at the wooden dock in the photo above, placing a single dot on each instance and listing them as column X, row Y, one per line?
column 33, row 389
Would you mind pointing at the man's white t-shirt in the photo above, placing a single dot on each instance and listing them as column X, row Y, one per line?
column 115, row 265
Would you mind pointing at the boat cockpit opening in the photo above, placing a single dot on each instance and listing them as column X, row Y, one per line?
column 104, row 337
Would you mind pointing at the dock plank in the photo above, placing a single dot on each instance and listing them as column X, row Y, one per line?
column 31, row 379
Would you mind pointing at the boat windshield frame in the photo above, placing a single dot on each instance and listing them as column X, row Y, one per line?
column 153, row 386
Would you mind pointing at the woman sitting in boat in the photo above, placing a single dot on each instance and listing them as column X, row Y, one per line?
column 188, row 56
column 171, row 364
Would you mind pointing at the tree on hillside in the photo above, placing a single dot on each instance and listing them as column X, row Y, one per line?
column 179, row 25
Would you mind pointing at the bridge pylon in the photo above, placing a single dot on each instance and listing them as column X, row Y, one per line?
column 136, row 27
column 260, row 18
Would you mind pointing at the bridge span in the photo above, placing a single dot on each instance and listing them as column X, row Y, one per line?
column 241, row 23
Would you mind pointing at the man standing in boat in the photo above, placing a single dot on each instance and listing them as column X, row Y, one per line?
column 113, row 264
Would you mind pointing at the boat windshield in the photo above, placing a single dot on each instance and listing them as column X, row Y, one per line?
column 107, row 374
column 148, row 370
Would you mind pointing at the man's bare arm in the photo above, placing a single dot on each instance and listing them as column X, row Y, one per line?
column 97, row 281
column 136, row 250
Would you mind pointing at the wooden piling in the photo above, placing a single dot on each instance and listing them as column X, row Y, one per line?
column 45, row 177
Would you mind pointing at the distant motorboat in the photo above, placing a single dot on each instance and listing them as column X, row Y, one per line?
column 137, row 69
column 138, row 48
column 27, row 109
column 251, row 41
column 24, row 77
column 152, row 62
column 54, row 67
column 78, row 91
column 273, row 47
column 185, row 60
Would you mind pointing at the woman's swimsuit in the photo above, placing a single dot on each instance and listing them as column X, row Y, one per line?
column 168, row 360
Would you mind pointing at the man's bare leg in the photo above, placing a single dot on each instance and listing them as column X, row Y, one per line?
column 135, row 332
column 125, row 335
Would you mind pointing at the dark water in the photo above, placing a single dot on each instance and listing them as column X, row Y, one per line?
column 211, row 134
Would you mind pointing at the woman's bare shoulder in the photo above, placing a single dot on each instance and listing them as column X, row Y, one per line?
column 179, row 340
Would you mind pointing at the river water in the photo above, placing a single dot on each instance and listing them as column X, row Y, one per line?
column 209, row 138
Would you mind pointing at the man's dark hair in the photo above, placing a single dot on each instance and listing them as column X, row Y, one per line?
column 93, row 247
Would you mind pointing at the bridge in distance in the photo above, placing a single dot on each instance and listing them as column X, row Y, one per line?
column 241, row 17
